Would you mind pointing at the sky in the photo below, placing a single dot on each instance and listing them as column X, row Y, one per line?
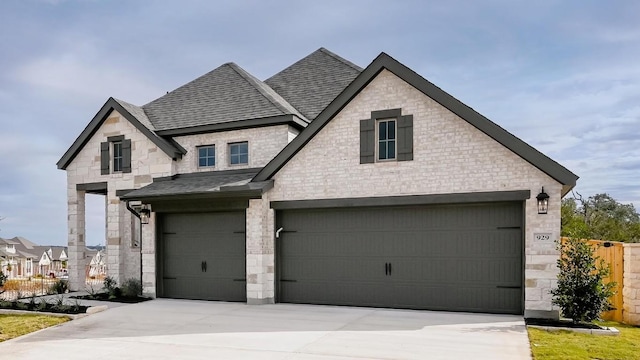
column 564, row 76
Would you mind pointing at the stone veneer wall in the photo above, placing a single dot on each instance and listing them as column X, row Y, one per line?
column 264, row 144
column 148, row 161
column 631, row 284
column 450, row 156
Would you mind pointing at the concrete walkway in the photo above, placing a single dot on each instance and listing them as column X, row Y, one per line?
column 186, row 329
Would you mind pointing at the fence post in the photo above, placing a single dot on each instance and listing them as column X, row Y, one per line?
column 631, row 289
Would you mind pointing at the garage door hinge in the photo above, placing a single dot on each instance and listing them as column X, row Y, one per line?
column 288, row 280
column 509, row 287
column 507, row 227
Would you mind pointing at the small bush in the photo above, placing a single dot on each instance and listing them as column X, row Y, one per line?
column 12, row 285
column 581, row 293
column 109, row 284
column 59, row 287
column 3, row 278
column 42, row 305
column 131, row 288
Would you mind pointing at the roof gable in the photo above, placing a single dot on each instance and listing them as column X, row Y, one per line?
column 313, row 82
column 384, row 61
column 224, row 95
column 135, row 115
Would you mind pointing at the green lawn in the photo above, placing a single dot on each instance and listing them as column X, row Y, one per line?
column 568, row 345
column 12, row 326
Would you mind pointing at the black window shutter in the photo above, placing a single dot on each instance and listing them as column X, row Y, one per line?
column 126, row 156
column 405, row 138
column 104, row 158
column 367, row 141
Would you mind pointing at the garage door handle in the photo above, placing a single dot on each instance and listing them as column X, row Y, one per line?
column 386, row 269
column 205, row 266
column 389, row 269
column 509, row 287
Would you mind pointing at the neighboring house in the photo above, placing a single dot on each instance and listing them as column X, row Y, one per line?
column 52, row 261
column 18, row 257
column 324, row 184
column 97, row 266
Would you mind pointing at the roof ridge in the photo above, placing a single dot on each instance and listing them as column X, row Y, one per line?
column 258, row 85
column 339, row 58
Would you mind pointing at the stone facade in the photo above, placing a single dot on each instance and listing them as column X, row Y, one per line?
column 450, row 156
column 264, row 144
column 147, row 162
column 631, row 284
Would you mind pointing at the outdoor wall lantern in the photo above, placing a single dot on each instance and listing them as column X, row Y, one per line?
column 144, row 214
column 543, row 202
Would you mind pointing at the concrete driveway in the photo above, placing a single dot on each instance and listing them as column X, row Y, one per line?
column 186, row 329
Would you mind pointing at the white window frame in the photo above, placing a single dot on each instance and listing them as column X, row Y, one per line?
column 386, row 141
column 115, row 159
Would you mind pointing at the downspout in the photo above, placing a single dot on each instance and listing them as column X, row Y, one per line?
column 140, row 245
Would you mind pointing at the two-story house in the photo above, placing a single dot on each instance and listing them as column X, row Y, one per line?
column 324, row 184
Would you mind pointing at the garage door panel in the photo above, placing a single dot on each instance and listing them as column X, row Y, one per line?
column 454, row 257
column 204, row 256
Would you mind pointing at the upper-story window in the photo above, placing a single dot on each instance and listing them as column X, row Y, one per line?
column 239, row 153
column 115, row 155
column 207, row 156
column 386, row 136
column 387, row 139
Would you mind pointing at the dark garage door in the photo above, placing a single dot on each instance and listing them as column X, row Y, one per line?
column 203, row 256
column 460, row 258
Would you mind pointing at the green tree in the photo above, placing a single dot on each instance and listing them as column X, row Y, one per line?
column 581, row 294
column 600, row 217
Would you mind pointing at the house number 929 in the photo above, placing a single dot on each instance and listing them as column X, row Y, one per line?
column 542, row 237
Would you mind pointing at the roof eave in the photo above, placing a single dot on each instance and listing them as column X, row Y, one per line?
column 289, row 119
column 384, row 61
column 99, row 119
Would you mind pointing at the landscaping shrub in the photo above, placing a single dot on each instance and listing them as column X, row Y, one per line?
column 3, row 278
column 131, row 288
column 12, row 285
column 59, row 287
column 581, row 294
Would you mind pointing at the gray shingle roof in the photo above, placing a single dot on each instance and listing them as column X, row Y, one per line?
column 313, row 82
column 195, row 183
column 226, row 94
column 137, row 112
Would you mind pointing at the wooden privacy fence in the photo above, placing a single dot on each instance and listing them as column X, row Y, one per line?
column 613, row 255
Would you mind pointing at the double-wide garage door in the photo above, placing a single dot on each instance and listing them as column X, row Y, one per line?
column 203, row 256
column 461, row 258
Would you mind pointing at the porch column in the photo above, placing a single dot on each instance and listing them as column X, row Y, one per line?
column 148, row 244
column 260, row 252
column 76, row 238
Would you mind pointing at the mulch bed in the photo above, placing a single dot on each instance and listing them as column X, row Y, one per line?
column 105, row 297
column 562, row 323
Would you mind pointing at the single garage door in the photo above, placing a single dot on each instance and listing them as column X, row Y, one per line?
column 203, row 256
column 459, row 258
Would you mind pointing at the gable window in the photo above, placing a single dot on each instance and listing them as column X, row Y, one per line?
column 387, row 139
column 239, row 153
column 206, row 156
column 115, row 155
column 386, row 136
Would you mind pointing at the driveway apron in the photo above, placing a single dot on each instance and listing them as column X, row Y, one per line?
column 188, row 329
